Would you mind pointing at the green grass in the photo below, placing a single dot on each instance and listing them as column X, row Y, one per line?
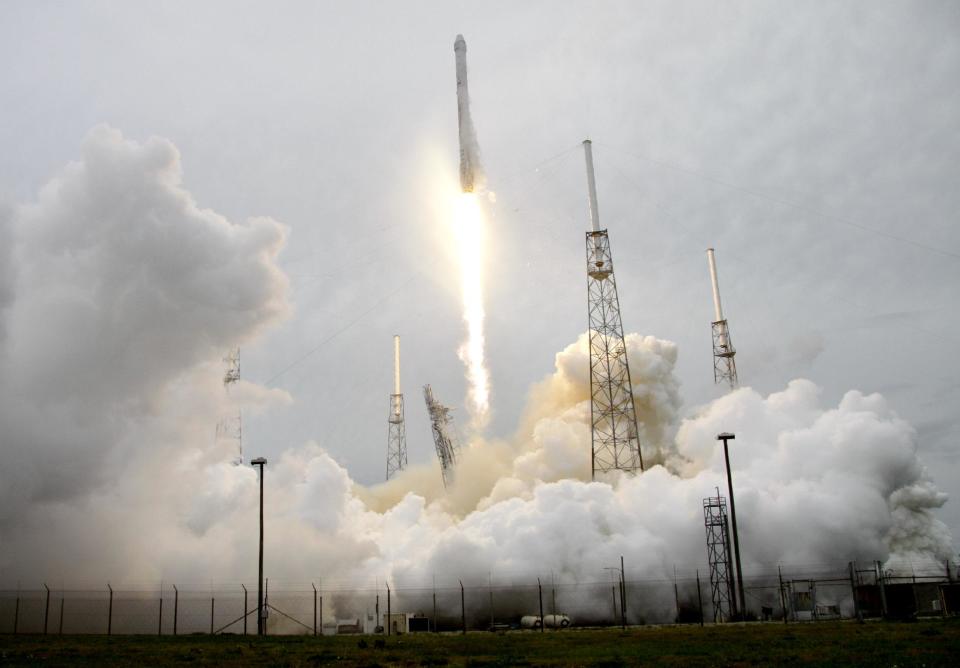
column 928, row 643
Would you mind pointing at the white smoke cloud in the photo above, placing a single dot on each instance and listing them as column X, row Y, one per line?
column 128, row 294
column 125, row 290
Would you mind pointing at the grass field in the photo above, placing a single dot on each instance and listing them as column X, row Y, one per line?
column 928, row 643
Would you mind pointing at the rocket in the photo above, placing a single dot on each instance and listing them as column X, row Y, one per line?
column 468, row 139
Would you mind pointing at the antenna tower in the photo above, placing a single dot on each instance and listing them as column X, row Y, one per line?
column 443, row 439
column 396, row 430
column 724, row 364
column 718, row 556
column 615, row 444
column 230, row 426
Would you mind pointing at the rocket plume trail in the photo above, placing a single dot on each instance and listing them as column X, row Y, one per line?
column 468, row 230
column 470, row 241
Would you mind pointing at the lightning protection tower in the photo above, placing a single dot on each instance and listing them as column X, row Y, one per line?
column 396, row 430
column 443, row 438
column 230, row 426
column 724, row 364
column 718, row 557
column 615, row 444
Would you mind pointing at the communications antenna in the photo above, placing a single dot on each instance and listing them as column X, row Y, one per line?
column 443, row 437
column 615, row 443
column 724, row 364
column 396, row 429
column 718, row 556
column 230, row 426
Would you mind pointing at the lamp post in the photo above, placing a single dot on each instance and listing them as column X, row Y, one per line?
column 261, row 462
column 725, row 436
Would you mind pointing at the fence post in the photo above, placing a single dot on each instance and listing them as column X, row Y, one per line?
column 540, row 591
column 110, row 611
column 783, row 598
column 314, row 608
column 623, row 593
column 623, row 613
column 883, row 591
column 176, row 603
column 463, row 609
column 676, row 593
column 212, row 599
column 160, row 615
column 853, row 589
column 389, row 619
column 246, row 611
column 63, row 600
column 434, row 610
column 16, row 613
column 699, row 597
column 321, row 613
column 46, row 609
column 613, row 593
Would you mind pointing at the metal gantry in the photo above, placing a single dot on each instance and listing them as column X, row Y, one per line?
column 396, row 427
column 724, row 362
column 443, row 437
column 718, row 557
column 396, row 437
column 230, row 426
column 615, row 442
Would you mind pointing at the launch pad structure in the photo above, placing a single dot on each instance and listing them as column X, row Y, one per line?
column 718, row 557
column 396, row 427
column 724, row 364
column 230, row 425
column 615, row 442
column 443, row 438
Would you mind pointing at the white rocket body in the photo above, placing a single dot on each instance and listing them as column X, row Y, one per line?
column 468, row 137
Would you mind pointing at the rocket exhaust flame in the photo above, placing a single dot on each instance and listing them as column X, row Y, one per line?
column 468, row 230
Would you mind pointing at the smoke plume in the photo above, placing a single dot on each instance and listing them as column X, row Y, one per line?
column 127, row 293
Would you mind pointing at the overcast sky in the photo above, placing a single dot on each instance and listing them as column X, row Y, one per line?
column 814, row 145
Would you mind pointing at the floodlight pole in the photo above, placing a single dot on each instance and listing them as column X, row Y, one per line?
column 725, row 436
column 261, row 462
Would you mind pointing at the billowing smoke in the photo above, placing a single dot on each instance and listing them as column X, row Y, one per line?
column 126, row 296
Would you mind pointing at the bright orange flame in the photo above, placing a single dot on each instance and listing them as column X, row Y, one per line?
column 470, row 240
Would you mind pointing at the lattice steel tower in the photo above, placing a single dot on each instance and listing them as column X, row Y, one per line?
column 230, row 426
column 443, row 437
column 396, row 429
column 615, row 443
column 724, row 364
column 718, row 556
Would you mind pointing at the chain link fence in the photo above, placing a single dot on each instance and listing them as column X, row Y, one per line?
column 792, row 594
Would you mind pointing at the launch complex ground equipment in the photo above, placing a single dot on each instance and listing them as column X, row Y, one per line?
column 443, row 436
column 615, row 443
column 396, row 429
column 724, row 364
column 230, row 425
column 718, row 557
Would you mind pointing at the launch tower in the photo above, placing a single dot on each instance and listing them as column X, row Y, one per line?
column 718, row 556
column 443, row 438
column 615, row 443
column 724, row 364
column 396, row 429
column 230, row 426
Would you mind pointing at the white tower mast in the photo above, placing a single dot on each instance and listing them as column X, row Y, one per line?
column 724, row 364
column 396, row 429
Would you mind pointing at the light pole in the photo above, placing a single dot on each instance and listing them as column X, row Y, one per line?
column 725, row 436
column 261, row 462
